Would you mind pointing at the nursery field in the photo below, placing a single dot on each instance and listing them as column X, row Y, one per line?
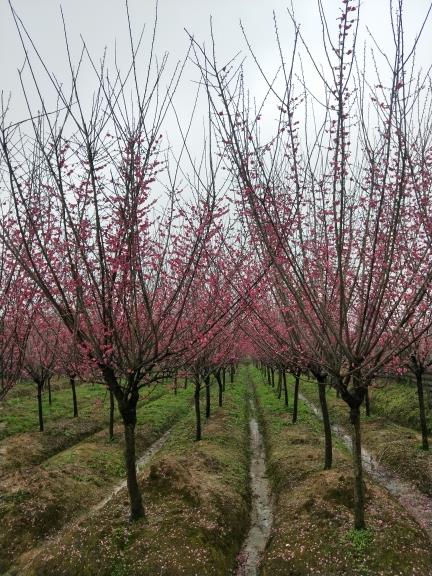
column 251, row 497
column 216, row 288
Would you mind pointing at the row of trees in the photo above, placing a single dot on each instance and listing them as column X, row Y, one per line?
column 337, row 201
column 321, row 263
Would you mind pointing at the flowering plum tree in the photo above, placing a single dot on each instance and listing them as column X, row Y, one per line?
column 14, row 323
column 89, row 226
column 41, row 353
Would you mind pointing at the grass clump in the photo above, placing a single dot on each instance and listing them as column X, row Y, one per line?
column 361, row 540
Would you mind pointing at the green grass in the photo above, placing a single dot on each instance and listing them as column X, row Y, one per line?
column 19, row 414
column 397, row 401
column 196, row 500
column 31, row 447
column 313, row 508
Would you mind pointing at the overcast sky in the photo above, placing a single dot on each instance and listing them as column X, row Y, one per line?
column 103, row 23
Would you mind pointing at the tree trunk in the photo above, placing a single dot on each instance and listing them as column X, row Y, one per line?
column 128, row 413
column 49, row 391
column 268, row 376
column 279, row 386
column 198, row 435
column 74, row 396
column 367, row 402
column 127, row 407
column 175, row 384
column 422, row 411
column 232, row 372
column 219, row 381
column 223, row 379
column 185, row 382
column 328, row 450
column 285, row 388
column 208, row 398
column 359, row 500
column 111, row 417
column 272, row 376
column 296, row 394
column 40, row 411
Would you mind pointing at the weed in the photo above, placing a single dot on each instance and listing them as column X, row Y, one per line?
column 360, row 539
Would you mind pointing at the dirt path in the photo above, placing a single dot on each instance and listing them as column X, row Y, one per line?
column 261, row 514
column 417, row 504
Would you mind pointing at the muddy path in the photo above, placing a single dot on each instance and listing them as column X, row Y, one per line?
column 261, row 512
column 417, row 504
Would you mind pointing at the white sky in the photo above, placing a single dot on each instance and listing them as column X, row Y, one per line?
column 103, row 22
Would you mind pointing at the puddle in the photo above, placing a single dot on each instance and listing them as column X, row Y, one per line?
column 418, row 505
column 261, row 514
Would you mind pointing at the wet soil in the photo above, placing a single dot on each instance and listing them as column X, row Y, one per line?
column 261, row 513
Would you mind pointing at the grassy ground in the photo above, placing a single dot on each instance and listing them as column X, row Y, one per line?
column 27, row 388
column 19, row 414
column 397, row 447
column 195, row 495
column 37, row 500
column 24, row 445
column 313, row 514
column 397, row 401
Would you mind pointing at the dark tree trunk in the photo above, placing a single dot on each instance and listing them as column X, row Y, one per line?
column 272, row 376
column 285, row 387
column 40, row 410
column 268, row 376
column 175, row 384
column 74, row 396
column 49, row 391
column 359, row 500
column 232, row 372
column 422, row 411
column 328, row 449
column 296, row 394
column 220, row 387
column 127, row 408
column 111, row 417
column 367, row 402
column 279, row 386
column 223, row 379
column 128, row 412
column 198, row 434
column 208, row 398
column 185, row 382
